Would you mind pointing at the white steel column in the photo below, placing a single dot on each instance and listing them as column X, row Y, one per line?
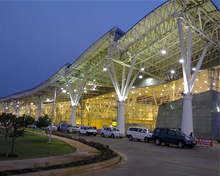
column 121, row 116
column 17, row 110
column 52, row 116
column 75, row 99
column 123, row 92
column 73, row 115
column 183, row 53
column 39, row 105
column 187, row 118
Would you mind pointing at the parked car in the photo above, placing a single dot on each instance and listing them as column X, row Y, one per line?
column 173, row 136
column 72, row 129
column 110, row 132
column 63, row 127
column 138, row 133
column 87, row 130
column 32, row 126
column 53, row 127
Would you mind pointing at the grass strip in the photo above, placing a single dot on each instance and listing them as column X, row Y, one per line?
column 32, row 146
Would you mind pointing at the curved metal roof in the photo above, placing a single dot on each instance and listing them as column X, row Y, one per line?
column 155, row 32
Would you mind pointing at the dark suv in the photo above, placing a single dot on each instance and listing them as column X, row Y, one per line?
column 172, row 136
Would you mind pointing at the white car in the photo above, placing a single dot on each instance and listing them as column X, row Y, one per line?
column 110, row 132
column 139, row 134
column 87, row 130
column 53, row 127
column 72, row 129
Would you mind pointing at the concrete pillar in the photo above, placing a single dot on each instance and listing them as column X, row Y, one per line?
column 187, row 119
column 121, row 117
column 73, row 116
column 17, row 110
column 39, row 109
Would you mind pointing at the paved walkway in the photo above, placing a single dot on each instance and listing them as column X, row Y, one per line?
column 83, row 151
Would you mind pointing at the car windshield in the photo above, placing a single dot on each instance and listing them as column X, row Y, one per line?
column 149, row 131
column 114, row 129
column 179, row 132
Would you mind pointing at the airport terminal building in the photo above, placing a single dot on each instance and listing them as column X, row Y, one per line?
column 162, row 72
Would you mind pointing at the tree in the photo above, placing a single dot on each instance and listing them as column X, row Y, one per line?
column 14, row 127
column 43, row 121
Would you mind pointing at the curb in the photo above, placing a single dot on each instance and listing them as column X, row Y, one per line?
column 78, row 169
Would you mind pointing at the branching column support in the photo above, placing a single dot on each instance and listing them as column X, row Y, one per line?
column 75, row 99
column 39, row 105
column 187, row 119
column 123, row 92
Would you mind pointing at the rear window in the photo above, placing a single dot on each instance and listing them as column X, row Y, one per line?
column 164, row 131
column 133, row 129
column 157, row 130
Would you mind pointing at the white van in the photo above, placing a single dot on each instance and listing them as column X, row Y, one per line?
column 139, row 134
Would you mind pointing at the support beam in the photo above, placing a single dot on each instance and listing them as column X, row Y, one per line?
column 40, row 104
column 125, row 88
column 75, row 99
column 73, row 116
column 189, row 53
column 183, row 54
column 198, row 66
column 81, row 102
column 52, row 116
column 121, row 115
column 187, row 119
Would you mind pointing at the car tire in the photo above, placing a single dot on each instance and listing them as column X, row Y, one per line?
column 94, row 134
column 102, row 135
column 120, row 137
column 130, row 137
column 180, row 144
column 112, row 136
column 79, row 133
column 87, row 133
column 157, row 141
column 146, row 139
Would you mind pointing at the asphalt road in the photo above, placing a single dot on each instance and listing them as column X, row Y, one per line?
column 143, row 159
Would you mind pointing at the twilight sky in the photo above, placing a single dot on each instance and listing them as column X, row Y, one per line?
column 37, row 38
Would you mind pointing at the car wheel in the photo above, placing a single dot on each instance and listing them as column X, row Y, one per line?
column 87, row 133
column 157, row 141
column 79, row 133
column 94, row 134
column 102, row 135
column 120, row 137
column 130, row 138
column 180, row 144
column 146, row 139
column 112, row 136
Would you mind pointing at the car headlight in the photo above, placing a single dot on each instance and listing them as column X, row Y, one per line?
column 187, row 138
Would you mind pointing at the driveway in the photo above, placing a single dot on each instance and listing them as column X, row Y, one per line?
column 144, row 159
